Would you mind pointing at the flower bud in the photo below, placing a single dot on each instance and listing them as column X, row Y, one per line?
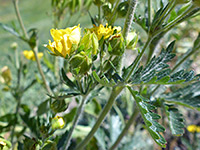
column 57, row 123
column 107, row 9
column 122, row 9
column 80, row 63
column 90, row 41
column 14, row 45
column 131, row 40
column 59, row 106
column 117, row 45
column 98, row 2
column 112, row 1
column 6, row 75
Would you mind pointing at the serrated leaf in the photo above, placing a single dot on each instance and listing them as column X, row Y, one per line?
column 157, row 71
column 149, row 118
column 188, row 96
column 176, row 121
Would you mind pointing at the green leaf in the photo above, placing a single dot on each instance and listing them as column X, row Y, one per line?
column 157, row 71
column 104, row 80
column 100, row 137
column 43, row 107
column 66, row 80
column 30, row 144
column 176, row 121
column 149, row 118
column 10, row 29
column 93, row 107
column 115, row 128
column 188, row 96
column 69, row 116
column 49, row 145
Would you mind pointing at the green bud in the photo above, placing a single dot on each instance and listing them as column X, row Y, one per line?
column 90, row 41
column 14, row 45
column 131, row 40
column 112, row 1
column 57, row 123
column 59, row 106
column 122, row 9
column 107, row 9
column 98, row 2
column 117, row 45
column 80, row 63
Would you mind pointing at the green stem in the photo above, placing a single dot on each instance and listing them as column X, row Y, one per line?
column 35, row 51
column 78, row 114
column 175, row 21
column 115, row 92
column 129, row 18
column 15, row 2
column 113, row 14
column 125, row 130
column 149, row 12
column 16, row 113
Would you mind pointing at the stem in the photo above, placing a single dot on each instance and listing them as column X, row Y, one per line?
column 129, row 18
column 99, row 13
column 175, row 21
column 113, row 14
column 125, row 130
column 138, row 58
column 149, row 12
column 16, row 113
column 15, row 2
column 115, row 92
column 35, row 51
column 78, row 114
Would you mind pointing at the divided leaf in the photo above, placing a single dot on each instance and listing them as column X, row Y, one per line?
column 176, row 121
column 105, row 81
column 188, row 96
column 149, row 118
column 157, row 71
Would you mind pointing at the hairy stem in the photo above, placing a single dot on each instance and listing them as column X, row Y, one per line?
column 129, row 18
column 115, row 92
column 75, row 122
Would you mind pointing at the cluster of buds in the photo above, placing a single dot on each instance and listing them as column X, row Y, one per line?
column 82, row 51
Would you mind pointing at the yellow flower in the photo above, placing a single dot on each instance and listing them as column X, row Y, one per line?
column 6, row 75
column 30, row 55
column 106, row 31
column 64, row 40
column 57, row 122
column 193, row 128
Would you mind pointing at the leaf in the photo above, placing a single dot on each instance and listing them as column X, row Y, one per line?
column 176, row 121
column 43, row 107
column 104, row 80
column 93, row 107
column 10, row 29
column 157, row 71
column 115, row 128
column 188, row 96
column 149, row 118
column 66, row 80
column 69, row 116
column 100, row 137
